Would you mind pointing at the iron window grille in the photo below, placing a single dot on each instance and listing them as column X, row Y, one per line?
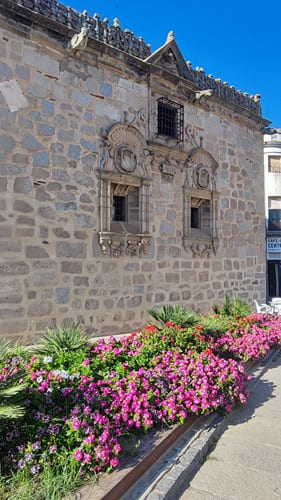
column 170, row 118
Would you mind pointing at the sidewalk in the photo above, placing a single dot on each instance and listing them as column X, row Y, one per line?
column 246, row 462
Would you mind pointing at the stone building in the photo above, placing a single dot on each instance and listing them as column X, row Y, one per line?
column 128, row 179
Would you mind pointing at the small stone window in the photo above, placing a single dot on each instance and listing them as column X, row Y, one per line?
column 119, row 209
column 170, row 119
column 125, row 209
column 124, row 202
column 200, row 216
column 195, row 217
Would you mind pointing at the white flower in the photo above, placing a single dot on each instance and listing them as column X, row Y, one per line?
column 39, row 379
column 48, row 359
column 64, row 374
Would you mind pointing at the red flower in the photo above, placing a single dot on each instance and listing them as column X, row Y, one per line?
column 150, row 329
column 169, row 323
column 208, row 351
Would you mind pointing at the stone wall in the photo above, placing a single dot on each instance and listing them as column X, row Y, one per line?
column 56, row 109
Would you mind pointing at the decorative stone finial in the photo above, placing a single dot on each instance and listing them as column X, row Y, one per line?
column 257, row 98
column 171, row 36
column 116, row 22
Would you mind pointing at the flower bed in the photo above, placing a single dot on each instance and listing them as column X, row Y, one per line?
column 80, row 404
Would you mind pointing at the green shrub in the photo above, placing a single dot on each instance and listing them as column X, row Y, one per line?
column 236, row 307
column 216, row 325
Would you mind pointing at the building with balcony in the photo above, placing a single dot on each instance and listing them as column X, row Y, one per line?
column 272, row 183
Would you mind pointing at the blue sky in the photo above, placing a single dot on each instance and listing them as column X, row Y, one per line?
column 238, row 42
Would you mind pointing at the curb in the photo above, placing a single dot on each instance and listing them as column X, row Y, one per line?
column 165, row 478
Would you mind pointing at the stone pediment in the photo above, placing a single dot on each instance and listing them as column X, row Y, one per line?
column 124, row 150
column 169, row 58
column 201, row 170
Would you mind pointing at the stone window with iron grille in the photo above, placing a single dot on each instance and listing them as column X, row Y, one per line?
column 170, row 119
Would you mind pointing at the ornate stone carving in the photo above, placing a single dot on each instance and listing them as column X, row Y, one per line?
column 200, row 248
column 124, row 149
column 202, row 177
column 201, row 95
column 125, row 159
column 111, row 247
column 79, row 42
column 117, row 245
column 139, row 119
column 191, row 134
column 201, row 170
column 168, row 166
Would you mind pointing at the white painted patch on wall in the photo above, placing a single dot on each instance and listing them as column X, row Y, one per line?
column 13, row 95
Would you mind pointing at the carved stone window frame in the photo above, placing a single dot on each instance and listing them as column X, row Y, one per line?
column 124, row 165
column 200, row 184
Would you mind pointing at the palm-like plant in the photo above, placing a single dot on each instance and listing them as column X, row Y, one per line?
column 177, row 314
column 11, row 391
column 56, row 342
column 12, row 394
column 236, row 307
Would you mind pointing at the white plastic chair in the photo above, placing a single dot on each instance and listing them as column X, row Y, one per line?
column 276, row 301
column 263, row 308
column 276, row 305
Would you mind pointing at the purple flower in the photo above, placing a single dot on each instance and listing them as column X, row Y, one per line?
column 21, row 464
column 54, row 429
column 34, row 469
column 36, row 445
column 28, row 457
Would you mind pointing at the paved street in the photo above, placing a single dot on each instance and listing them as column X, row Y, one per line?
column 246, row 462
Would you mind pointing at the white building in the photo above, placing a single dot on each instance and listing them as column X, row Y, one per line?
column 272, row 182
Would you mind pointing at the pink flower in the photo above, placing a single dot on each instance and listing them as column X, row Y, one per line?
column 114, row 462
column 86, row 362
column 89, row 439
column 87, row 458
column 76, row 424
column 78, row 455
